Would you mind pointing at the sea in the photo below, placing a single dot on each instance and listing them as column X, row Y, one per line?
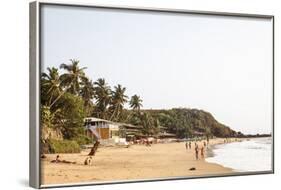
column 254, row 154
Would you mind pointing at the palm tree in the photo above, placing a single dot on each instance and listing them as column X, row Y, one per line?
column 135, row 102
column 147, row 123
column 117, row 102
column 72, row 78
column 87, row 93
column 156, row 126
column 102, row 96
column 51, row 86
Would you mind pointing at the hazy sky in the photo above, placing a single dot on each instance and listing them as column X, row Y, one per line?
column 219, row 64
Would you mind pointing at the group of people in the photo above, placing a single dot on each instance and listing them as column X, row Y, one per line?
column 188, row 145
column 197, row 149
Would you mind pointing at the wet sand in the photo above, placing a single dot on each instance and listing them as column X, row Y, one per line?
column 133, row 163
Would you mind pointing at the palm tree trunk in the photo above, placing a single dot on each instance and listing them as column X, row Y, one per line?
column 112, row 115
column 56, row 99
column 94, row 149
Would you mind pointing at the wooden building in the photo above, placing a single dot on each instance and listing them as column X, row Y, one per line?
column 101, row 129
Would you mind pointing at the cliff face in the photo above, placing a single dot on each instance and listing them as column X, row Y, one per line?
column 188, row 122
column 48, row 133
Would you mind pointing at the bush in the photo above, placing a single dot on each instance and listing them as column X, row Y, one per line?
column 63, row 146
column 82, row 139
column 72, row 114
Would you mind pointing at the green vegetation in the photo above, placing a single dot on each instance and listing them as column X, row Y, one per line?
column 69, row 97
column 102, row 98
column 82, row 139
column 191, row 122
column 63, row 146
column 135, row 102
column 118, row 99
column 182, row 122
column 71, row 115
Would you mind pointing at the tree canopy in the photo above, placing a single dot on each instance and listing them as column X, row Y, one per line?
column 68, row 96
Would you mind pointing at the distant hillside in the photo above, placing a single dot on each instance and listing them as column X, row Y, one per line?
column 188, row 122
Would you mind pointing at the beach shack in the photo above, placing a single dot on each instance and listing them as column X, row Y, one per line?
column 128, row 131
column 166, row 135
column 101, row 129
column 109, row 132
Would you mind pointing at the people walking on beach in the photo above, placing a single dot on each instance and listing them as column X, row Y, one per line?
column 189, row 144
column 202, row 152
column 186, row 145
column 204, row 143
column 196, row 152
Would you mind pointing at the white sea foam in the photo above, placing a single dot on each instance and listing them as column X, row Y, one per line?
column 252, row 155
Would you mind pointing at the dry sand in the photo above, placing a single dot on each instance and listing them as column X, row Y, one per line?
column 135, row 162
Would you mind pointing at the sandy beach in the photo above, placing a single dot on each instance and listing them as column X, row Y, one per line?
column 135, row 162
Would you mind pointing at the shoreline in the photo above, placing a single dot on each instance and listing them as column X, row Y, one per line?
column 212, row 147
column 228, row 154
column 135, row 163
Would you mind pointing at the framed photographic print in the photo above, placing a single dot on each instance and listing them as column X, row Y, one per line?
column 131, row 94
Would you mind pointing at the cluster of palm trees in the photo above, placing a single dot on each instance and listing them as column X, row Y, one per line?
column 99, row 99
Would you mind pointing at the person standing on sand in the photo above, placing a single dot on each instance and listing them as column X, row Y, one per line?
column 148, row 143
column 204, row 144
column 196, row 152
column 186, row 145
column 189, row 144
column 202, row 152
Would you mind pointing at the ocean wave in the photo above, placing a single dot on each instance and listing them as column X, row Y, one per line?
column 252, row 155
